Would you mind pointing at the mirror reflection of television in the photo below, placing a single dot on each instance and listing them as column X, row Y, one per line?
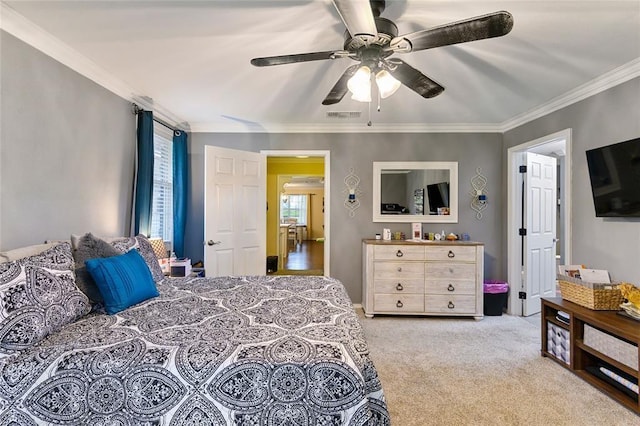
column 614, row 172
column 438, row 194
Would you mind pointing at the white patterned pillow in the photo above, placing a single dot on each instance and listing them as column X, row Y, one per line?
column 38, row 296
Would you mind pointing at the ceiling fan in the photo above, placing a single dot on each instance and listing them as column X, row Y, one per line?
column 372, row 40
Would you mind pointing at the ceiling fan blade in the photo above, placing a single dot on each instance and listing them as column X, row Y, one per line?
column 492, row 25
column 340, row 89
column 415, row 80
column 292, row 59
column 357, row 17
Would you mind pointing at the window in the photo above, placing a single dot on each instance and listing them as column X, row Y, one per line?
column 293, row 206
column 162, row 209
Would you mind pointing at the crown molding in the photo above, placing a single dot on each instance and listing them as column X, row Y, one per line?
column 15, row 24
column 360, row 127
column 620, row 75
column 20, row 27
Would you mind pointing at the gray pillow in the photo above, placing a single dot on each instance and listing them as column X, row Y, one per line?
column 90, row 247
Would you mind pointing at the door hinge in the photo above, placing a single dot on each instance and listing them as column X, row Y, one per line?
column 522, row 295
column 523, row 169
column 522, row 232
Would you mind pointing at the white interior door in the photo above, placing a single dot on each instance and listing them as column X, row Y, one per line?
column 540, row 192
column 234, row 212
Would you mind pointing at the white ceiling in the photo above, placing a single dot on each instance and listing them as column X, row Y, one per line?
column 190, row 59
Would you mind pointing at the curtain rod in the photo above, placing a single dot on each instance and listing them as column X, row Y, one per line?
column 137, row 109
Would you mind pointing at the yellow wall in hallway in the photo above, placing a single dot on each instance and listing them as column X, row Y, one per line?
column 288, row 166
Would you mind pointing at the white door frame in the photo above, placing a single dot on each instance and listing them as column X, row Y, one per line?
column 514, row 270
column 327, row 193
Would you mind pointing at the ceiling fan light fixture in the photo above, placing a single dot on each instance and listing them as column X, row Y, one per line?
column 387, row 84
column 360, row 85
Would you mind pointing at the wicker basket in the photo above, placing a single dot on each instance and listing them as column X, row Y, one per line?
column 599, row 297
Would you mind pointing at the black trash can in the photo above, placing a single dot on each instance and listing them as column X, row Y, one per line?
column 272, row 264
column 495, row 297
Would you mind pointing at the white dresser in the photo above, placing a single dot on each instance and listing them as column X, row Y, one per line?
column 423, row 278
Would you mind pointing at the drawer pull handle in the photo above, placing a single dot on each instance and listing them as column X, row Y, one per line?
column 451, row 305
column 399, row 268
column 399, row 304
column 451, row 254
column 399, row 287
column 451, row 287
column 399, row 253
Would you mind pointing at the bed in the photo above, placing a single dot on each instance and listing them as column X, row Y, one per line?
column 252, row 350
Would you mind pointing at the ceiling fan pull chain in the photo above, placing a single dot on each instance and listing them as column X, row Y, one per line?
column 369, row 122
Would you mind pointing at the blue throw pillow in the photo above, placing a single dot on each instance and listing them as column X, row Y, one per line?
column 123, row 280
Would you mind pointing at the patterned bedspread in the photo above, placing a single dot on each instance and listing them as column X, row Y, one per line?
column 285, row 350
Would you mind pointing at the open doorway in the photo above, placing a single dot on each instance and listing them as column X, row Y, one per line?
column 557, row 145
column 297, row 212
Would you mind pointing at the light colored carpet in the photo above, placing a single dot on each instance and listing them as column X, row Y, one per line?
column 298, row 272
column 448, row 371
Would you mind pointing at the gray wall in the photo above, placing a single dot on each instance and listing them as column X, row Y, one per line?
column 603, row 119
column 359, row 151
column 66, row 151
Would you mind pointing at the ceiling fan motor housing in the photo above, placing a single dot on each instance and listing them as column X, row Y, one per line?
column 372, row 51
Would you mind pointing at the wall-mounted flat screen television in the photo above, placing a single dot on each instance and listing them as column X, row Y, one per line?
column 438, row 194
column 614, row 171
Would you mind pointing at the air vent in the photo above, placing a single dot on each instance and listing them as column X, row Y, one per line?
column 343, row 114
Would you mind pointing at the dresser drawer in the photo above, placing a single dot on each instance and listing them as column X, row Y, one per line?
column 451, row 253
column 399, row 286
column 398, row 252
column 460, row 271
column 399, row 270
column 450, row 304
column 450, row 286
column 409, row 303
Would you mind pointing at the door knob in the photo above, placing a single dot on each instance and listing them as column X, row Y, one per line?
column 213, row 243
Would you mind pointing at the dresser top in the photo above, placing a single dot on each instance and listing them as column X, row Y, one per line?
column 422, row 242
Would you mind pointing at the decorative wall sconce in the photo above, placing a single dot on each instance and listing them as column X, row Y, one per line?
column 352, row 201
column 478, row 193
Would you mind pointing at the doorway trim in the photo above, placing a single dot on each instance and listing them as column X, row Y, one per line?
column 326, row 155
column 514, row 269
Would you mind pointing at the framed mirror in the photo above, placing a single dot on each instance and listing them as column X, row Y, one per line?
column 415, row 191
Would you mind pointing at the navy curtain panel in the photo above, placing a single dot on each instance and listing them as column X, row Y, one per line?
column 144, row 174
column 180, row 176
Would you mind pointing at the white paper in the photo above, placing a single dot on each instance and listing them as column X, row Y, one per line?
column 595, row 275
